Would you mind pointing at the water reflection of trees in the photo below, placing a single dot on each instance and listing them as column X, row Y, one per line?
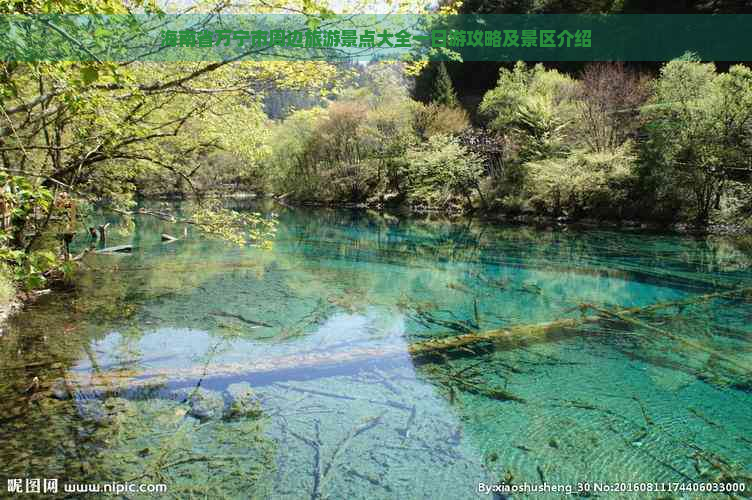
column 340, row 255
column 692, row 262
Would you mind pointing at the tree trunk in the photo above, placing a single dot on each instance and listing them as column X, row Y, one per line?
column 312, row 363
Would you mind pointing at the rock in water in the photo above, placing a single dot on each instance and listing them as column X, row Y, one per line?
column 205, row 404
column 93, row 410
column 60, row 391
column 242, row 401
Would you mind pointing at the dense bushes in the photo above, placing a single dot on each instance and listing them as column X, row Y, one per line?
column 441, row 170
column 432, row 119
column 340, row 153
column 611, row 143
column 582, row 182
column 572, row 153
column 533, row 107
column 370, row 148
column 615, row 144
column 27, row 257
column 699, row 127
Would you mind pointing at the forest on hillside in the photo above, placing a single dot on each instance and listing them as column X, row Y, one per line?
column 655, row 143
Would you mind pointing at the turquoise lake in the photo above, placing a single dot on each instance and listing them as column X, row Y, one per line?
column 328, row 366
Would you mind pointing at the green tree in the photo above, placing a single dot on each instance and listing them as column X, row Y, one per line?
column 349, row 151
column 700, row 131
column 533, row 107
column 442, row 170
column 443, row 92
column 98, row 130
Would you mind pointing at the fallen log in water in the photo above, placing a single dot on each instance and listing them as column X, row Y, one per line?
column 308, row 364
column 116, row 249
column 541, row 330
column 254, row 323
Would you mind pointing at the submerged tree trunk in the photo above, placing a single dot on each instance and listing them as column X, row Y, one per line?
column 311, row 363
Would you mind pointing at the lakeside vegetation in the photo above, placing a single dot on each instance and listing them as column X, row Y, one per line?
column 607, row 143
column 604, row 141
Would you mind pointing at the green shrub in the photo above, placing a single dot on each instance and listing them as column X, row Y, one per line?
column 290, row 168
column 433, row 119
column 442, row 171
column 699, row 132
column 28, row 250
column 346, row 152
column 534, row 107
column 581, row 181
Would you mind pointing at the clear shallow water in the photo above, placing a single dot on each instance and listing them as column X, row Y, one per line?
column 289, row 373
